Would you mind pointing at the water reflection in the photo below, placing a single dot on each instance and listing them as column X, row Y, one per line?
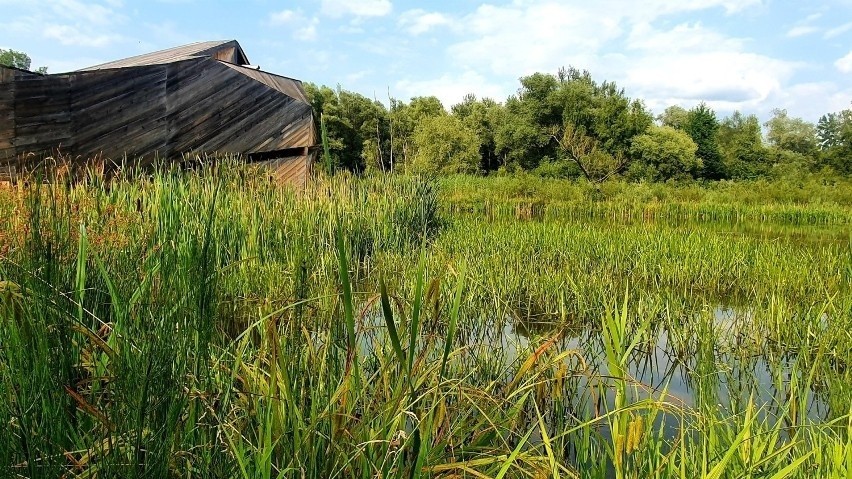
column 702, row 364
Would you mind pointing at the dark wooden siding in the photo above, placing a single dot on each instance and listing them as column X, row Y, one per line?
column 120, row 112
column 7, row 113
column 42, row 114
column 286, row 85
column 293, row 170
column 195, row 105
column 213, row 107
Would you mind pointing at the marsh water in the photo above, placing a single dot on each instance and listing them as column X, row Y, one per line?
column 661, row 368
column 717, row 363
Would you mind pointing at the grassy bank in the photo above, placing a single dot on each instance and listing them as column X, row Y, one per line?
column 211, row 324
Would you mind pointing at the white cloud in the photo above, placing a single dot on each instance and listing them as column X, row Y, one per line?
column 301, row 27
column 358, row 8
column 308, row 32
column 805, row 27
column 652, row 9
column 684, row 37
column 801, row 30
column 809, row 100
column 451, row 88
column 526, row 36
column 521, row 39
column 690, row 63
column 86, row 12
column 837, row 31
column 620, row 41
column 73, row 22
column 844, row 64
column 71, row 35
column 722, row 78
column 419, row 21
column 284, row 17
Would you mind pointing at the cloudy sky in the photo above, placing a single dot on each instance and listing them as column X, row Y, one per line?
column 751, row 55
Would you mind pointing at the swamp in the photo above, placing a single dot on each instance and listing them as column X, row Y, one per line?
column 211, row 323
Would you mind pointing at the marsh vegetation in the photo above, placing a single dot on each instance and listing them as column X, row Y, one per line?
column 210, row 323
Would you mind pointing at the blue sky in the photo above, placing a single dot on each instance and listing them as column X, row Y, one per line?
column 750, row 55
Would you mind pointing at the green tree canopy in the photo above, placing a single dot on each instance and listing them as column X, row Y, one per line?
column 354, row 122
column 674, row 116
column 481, row 116
column 702, row 126
column 664, row 153
column 443, row 144
column 792, row 134
column 12, row 58
column 834, row 131
column 570, row 125
column 550, row 109
column 741, row 145
column 404, row 118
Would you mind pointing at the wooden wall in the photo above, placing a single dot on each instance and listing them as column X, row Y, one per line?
column 196, row 105
column 34, row 117
column 213, row 107
column 42, row 114
column 7, row 113
column 293, row 170
column 119, row 112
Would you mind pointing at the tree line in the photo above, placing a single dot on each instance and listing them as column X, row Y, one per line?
column 569, row 125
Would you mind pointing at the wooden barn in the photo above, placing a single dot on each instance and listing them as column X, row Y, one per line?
column 198, row 98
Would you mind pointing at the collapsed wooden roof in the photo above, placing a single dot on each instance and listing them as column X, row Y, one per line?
column 189, row 99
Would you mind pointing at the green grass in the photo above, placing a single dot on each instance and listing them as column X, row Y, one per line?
column 209, row 323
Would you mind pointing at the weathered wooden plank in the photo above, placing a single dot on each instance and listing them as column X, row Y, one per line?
column 194, row 117
column 7, row 120
column 231, row 122
column 49, row 117
column 273, row 134
column 226, row 138
column 140, row 141
column 220, row 122
column 8, row 74
column 293, row 170
column 49, row 135
column 285, row 85
column 189, row 93
column 124, row 116
column 94, row 90
column 138, row 137
column 276, row 131
column 187, row 71
column 265, row 104
column 42, row 118
column 113, row 117
column 43, row 129
column 222, row 106
column 228, row 50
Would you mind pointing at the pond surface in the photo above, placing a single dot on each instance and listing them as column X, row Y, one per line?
column 715, row 375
